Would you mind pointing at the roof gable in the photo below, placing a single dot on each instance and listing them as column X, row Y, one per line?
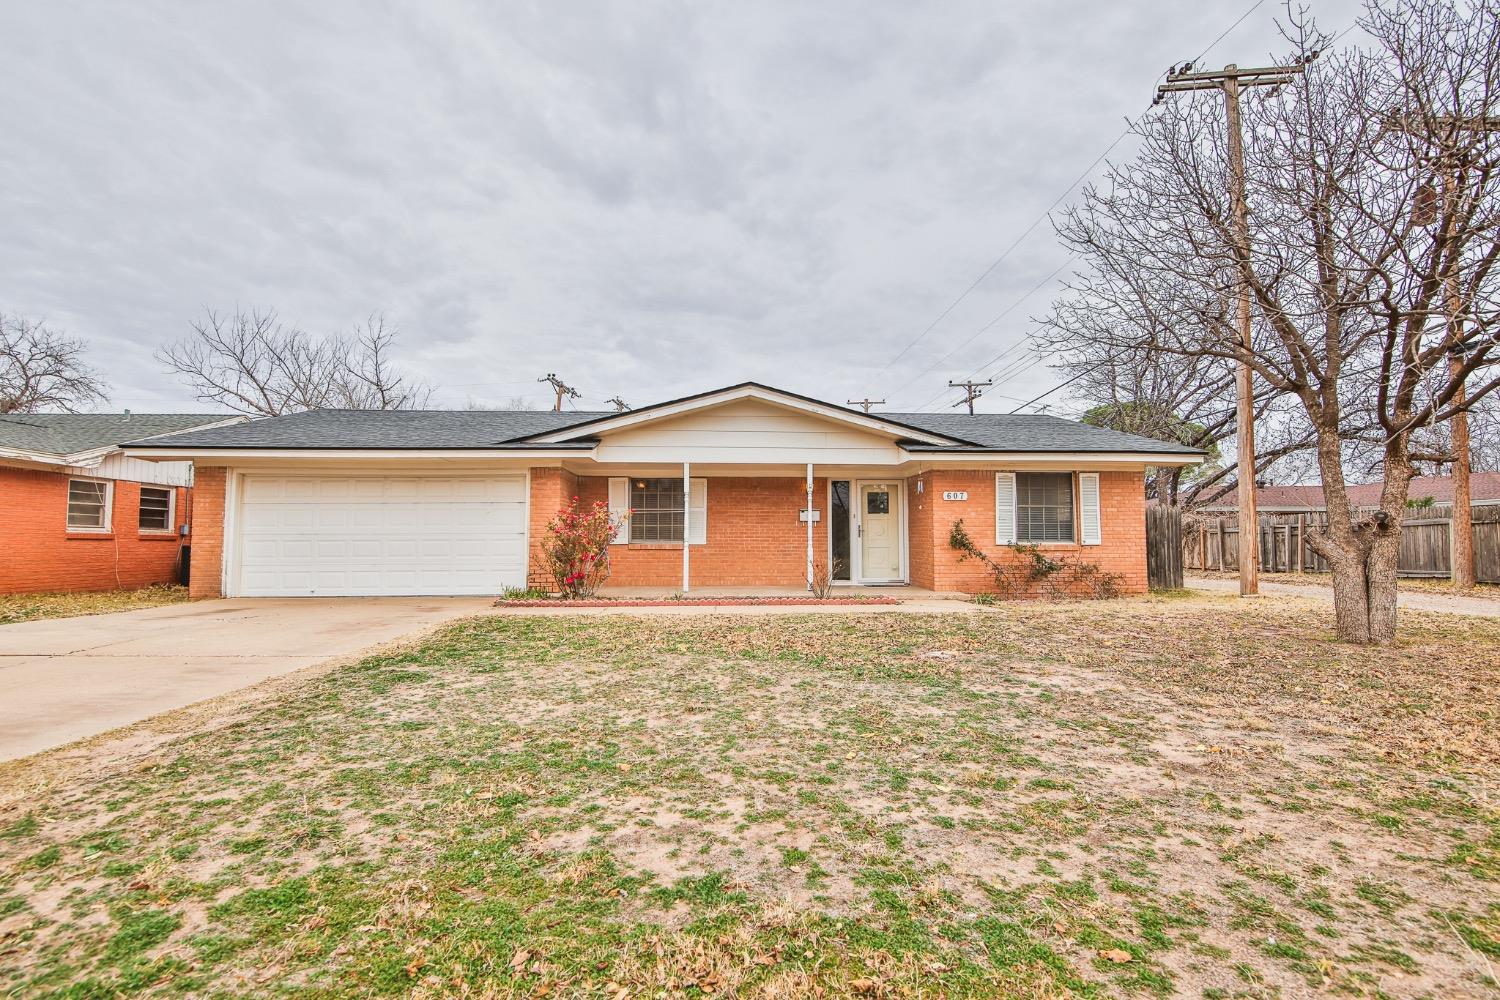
column 769, row 399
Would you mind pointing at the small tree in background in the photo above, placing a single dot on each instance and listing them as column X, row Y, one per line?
column 576, row 548
column 42, row 369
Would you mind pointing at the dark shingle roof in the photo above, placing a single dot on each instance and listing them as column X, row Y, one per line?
column 1030, row 432
column 467, row 429
column 397, row 429
column 74, row 433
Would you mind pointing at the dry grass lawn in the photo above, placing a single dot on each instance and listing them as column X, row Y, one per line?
column 29, row 607
column 1168, row 796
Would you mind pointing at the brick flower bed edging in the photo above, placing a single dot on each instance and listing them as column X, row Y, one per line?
column 690, row 602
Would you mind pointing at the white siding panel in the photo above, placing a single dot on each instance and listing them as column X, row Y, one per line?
column 748, row 431
column 372, row 535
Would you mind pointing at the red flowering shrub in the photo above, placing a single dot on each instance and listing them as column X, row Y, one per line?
column 576, row 548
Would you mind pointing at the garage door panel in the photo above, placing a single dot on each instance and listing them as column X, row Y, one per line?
column 367, row 535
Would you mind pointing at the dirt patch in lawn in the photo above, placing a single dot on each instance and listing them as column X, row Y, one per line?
column 1145, row 796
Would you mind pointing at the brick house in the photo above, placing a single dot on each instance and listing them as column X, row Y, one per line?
column 78, row 514
column 347, row 502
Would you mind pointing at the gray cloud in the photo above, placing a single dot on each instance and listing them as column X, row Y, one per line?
column 651, row 199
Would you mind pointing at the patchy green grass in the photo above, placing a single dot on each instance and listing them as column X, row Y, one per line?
column 1138, row 798
column 29, row 607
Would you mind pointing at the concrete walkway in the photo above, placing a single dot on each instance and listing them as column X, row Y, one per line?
column 1478, row 607
column 67, row 678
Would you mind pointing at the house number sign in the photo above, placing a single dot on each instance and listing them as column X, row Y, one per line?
column 955, row 494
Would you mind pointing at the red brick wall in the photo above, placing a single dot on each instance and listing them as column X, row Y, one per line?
column 1122, row 518
column 550, row 490
column 39, row 553
column 755, row 538
column 208, row 531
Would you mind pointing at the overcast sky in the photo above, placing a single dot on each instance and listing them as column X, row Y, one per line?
column 649, row 199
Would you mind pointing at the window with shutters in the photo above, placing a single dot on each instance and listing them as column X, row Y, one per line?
column 1044, row 507
column 88, row 505
column 156, row 509
column 656, row 510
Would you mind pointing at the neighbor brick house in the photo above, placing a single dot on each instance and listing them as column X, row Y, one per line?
column 457, row 502
column 76, row 514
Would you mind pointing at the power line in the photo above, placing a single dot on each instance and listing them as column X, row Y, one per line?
column 983, row 329
column 1129, row 124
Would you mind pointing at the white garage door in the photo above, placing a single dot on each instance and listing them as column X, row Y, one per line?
column 304, row 536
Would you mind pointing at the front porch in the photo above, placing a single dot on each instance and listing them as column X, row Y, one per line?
column 751, row 532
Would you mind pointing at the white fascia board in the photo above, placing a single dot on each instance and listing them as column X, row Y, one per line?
column 1030, row 457
column 204, row 455
column 83, row 458
column 655, row 413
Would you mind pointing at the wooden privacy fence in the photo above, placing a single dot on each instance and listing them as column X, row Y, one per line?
column 1164, row 547
column 1426, row 543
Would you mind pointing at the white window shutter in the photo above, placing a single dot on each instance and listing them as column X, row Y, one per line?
column 1088, row 502
column 619, row 507
column 1005, row 508
column 697, row 511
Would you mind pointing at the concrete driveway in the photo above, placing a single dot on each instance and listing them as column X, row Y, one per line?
column 67, row 678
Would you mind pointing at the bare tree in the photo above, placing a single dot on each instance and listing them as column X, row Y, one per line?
column 251, row 363
column 1096, row 328
column 1347, row 279
column 513, row 403
column 43, row 369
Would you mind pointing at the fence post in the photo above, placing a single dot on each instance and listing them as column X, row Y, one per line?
column 1301, row 539
column 1221, row 544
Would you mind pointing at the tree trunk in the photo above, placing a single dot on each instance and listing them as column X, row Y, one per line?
column 1351, row 597
column 1361, row 551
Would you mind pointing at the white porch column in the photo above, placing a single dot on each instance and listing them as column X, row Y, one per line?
column 809, row 526
column 687, row 515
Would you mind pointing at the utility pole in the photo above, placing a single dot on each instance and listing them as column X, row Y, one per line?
column 558, row 386
column 972, row 391
column 864, row 404
column 1229, row 81
column 1424, row 214
column 619, row 404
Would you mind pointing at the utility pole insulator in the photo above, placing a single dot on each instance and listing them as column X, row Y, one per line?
column 562, row 389
column 864, row 404
column 972, row 391
column 619, row 404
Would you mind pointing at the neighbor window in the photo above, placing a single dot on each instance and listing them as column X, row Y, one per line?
column 156, row 509
column 656, row 510
column 1044, row 506
column 88, row 504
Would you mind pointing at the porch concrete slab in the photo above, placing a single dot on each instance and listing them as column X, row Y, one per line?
column 940, row 606
column 69, row 678
column 900, row 593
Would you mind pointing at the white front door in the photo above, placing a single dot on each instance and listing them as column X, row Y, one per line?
column 879, row 520
column 303, row 536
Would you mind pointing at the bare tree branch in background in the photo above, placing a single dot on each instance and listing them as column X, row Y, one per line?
column 42, row 369
column 1097, row 327
column 251, row 363
column 513, row 403
column 1347, row 283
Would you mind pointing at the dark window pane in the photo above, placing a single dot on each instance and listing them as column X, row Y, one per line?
column 877, row 502
column 838, row 528
column 1044, row 506
column 86, row 503
column 656, row 510
column 156, row 509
